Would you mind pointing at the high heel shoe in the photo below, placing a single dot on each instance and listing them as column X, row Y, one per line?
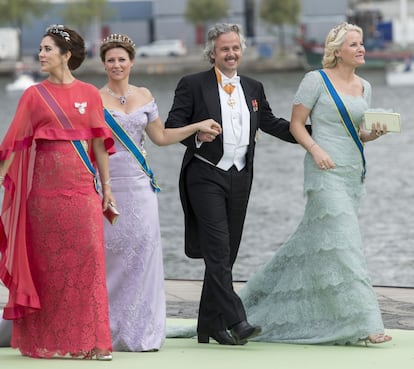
column 377, row 338
column 103, row 356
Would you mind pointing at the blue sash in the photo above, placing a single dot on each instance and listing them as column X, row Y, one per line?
column 346, row 119
column 65, row 122
column 130, row 145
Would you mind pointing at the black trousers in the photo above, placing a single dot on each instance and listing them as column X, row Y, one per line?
column 219, row 200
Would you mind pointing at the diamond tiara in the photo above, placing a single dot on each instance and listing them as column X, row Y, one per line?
column 116, row 37
column 58, row 29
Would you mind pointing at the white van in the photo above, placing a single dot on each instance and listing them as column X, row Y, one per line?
column 9, row 43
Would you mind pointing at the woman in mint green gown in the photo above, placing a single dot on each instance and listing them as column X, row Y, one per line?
column 316, row 288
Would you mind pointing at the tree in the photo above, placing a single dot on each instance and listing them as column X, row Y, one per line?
column 279, row 13
column 200, row 12
column 16, row 13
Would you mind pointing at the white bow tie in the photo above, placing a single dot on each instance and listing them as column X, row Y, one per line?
column 234, row 80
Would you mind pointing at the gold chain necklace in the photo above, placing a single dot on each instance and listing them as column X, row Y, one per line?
column 122, row 99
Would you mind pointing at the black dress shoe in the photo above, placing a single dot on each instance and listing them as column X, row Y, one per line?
column 243, row 331
column 222, row 337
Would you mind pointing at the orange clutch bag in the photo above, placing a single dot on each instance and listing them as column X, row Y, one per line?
column 112, row 214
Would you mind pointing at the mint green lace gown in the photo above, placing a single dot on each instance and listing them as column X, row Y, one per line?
column 316, row 288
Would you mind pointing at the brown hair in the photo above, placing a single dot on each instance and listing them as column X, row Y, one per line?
column 67, row 39
column 117, row 40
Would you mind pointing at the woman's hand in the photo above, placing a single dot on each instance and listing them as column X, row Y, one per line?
column 377, row 131
column 107, row 197
column 321, row 158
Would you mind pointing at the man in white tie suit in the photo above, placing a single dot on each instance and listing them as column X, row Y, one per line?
column 217, row 173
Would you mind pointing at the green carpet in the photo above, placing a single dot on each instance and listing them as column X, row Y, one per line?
column 183, row 353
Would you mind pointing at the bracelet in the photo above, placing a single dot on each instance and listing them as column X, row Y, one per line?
column 107, row 183
column 310, row 147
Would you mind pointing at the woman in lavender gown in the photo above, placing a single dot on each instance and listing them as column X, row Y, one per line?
column 135, row 277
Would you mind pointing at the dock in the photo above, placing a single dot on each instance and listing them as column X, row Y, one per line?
column 190, row 63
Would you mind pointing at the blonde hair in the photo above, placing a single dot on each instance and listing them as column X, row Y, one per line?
column 334, row 41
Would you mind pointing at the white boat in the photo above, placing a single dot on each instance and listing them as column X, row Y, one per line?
column 400, row 75
column 22, row 82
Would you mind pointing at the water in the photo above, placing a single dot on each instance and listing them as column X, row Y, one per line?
column 277, row 203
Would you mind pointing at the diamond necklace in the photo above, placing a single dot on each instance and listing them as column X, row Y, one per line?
column 122, row 99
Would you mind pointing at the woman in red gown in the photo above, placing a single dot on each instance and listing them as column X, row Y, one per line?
column 51, row 230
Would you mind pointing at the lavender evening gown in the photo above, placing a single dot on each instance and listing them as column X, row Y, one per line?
column 135, row 275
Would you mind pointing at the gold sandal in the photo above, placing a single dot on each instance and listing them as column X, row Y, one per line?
column 93, row 354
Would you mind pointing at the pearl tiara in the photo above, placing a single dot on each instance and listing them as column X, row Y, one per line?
column 118, row 38
column 58, row 29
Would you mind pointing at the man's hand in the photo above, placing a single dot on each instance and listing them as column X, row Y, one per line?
column 208, row 130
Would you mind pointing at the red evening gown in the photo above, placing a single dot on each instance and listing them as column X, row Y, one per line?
column 64, row 309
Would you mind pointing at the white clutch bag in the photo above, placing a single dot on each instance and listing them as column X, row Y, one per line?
column 392, row 120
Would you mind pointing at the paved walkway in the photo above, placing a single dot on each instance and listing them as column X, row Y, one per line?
column 397, row 304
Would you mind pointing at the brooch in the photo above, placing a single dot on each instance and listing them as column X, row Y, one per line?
column 81, row 107
column 255, row 105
